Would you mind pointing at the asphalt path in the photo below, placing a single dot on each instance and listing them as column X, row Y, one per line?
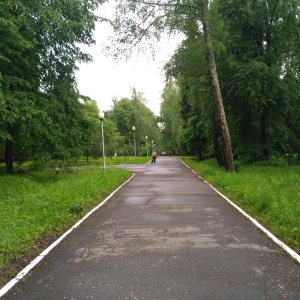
column 164, row 235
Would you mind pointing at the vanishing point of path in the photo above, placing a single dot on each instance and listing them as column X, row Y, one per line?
column 164, row 235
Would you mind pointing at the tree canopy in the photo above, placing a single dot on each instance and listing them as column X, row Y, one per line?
column 39, row 49
column 137, row 21
column 256, row 49
column 128, row 113
column 232, row 84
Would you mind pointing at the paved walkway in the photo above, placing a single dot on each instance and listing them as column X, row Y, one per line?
column 164, row 235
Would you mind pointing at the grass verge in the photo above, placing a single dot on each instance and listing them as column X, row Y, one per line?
column 36, row 207
column 270, row 194
column 114, row 160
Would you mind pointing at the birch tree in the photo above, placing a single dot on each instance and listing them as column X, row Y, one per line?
column 141, row 23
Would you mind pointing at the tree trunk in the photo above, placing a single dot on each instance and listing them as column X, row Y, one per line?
column 218, row 98
column 218, row 153
column 9, row 157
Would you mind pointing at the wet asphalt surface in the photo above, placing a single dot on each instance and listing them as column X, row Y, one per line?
column 163, row 235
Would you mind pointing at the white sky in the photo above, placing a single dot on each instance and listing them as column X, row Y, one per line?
column 103, row 79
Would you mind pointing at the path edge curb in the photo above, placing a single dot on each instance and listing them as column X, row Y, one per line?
column 36, row 260
column 290, row 251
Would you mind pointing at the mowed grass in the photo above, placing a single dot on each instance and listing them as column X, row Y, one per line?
column 112, row 160
column 270, row 194
column 37, row 205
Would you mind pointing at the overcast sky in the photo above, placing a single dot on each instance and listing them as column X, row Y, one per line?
column 105, row 78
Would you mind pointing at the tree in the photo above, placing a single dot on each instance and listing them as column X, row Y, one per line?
column 38, row 55
column 90, row 114
column 138, row 21
column 122, row 114
column 189, row 68
column 261, row 46
column 127, row 113
column 171, row 118
column 114, row 142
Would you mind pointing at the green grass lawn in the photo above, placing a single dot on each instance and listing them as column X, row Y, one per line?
column 113, row 160
column 270, row 194
column 75, row 162
column 37, row 206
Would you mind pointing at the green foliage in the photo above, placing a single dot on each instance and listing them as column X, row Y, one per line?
column 269, row 193
column 114, row 142
column 76, row 208
column 189, row 68
column 127, row 113
column 258, row 69
column 122, row 115
column 260, row 38
column 171, row 119
column 40, row 108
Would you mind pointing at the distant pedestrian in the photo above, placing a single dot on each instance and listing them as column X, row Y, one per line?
column 154, row 155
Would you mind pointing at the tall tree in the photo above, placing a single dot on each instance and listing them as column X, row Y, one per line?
column 190, row 69
column 127, row 113
column 262, row 42
column 171, row 118
column 38, row 52
column 140, row 21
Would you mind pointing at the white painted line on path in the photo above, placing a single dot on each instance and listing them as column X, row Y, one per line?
column 290, row 251
column 33, row 263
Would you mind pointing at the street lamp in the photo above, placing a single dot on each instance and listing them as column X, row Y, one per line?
column 101, row 117
column 133, row 129
column 152, row 146
column 147, row 144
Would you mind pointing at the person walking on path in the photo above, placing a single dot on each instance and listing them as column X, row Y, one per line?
column 154, row 155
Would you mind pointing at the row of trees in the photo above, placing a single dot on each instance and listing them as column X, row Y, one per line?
column 248, row 50
column 125, row 114
column 43, row 116
column 40, row 107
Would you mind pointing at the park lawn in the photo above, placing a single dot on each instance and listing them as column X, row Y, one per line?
column 113, row 160
column 75, row 162
column 270, row 194
column 36, row 207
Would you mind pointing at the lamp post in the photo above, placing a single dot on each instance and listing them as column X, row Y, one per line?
column 133, row 129
column 147, row 145
column 101, row 117
column 152, row 146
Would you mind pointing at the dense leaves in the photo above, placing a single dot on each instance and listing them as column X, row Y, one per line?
column 40, row 108
column 133, row 112
column 261, row 41
column 239, row 57
column 255, row 45
column 137, row 22
column 171, row 119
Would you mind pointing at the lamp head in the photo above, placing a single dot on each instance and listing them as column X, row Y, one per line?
column 101, row 115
